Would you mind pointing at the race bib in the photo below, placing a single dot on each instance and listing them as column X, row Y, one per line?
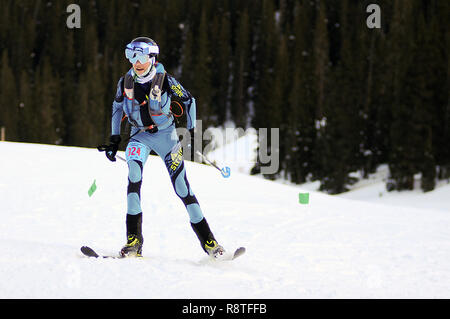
column 136, row 151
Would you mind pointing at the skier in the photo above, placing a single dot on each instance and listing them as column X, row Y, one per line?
column 144, row 94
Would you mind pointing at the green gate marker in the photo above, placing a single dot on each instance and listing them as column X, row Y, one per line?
column 92, row 189
column 303, row 198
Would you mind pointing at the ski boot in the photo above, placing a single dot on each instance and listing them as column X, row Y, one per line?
column 133, row 247
column 214, row 249
column 135, row 241
column 207, row 240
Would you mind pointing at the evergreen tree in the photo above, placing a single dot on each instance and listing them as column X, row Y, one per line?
column 48, row 104
column 278, row 102
column 81, row 125
column 320, row 73
column 68, row 79
column 268, row 114
column 173, row 34
column 201, row 86
column 437, row 76
column 346, row 117
column 222, row 70
column 402, row 131
column 240, row 85
column 9, row 115
column 300, row 116
column 378, row 99
column 27, row 110
column 321, row 56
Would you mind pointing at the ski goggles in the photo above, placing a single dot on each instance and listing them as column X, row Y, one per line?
column 140, row 51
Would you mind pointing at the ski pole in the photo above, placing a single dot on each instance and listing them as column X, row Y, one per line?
column 121, row 158
column 224, row 171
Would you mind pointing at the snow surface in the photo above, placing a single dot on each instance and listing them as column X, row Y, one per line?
column 363, row 244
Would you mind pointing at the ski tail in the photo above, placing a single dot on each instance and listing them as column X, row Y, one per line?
column 89, row 252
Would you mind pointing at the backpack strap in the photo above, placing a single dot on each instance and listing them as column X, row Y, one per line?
column 156, row 88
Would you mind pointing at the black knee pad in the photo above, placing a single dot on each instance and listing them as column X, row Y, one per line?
column 135, row 178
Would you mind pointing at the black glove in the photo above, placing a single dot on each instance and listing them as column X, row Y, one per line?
column 112, row 148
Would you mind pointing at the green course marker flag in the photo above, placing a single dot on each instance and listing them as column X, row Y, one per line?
column 92, row 189
column 303, row 198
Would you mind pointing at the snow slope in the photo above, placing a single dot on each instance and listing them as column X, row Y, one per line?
column 335, row 247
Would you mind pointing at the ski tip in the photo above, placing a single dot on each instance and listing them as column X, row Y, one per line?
column 88, row 251
column 238, row 252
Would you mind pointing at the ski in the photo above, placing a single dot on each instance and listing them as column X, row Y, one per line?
column 89, row 252
column 238, row 252
column 230, row 256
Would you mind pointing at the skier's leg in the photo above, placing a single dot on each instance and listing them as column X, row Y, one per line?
column 135, row 169
column 175, row 166
column 137, row 154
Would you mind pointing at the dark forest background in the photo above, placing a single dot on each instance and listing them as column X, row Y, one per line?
column 345, row 97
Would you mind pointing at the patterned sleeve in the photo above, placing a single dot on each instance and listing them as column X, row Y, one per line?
column 117, row 111
column 183, row 95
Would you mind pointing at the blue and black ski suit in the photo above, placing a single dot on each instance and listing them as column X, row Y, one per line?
column 164, row 142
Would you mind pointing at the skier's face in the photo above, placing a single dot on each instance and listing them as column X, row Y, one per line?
column 141, row 68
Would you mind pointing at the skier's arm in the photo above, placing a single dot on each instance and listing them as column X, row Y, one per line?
column 117, row 110
column 111, row 149
column 176, row 89
column 191, row 113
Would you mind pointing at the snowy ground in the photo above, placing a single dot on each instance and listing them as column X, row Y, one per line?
column 363, row 244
